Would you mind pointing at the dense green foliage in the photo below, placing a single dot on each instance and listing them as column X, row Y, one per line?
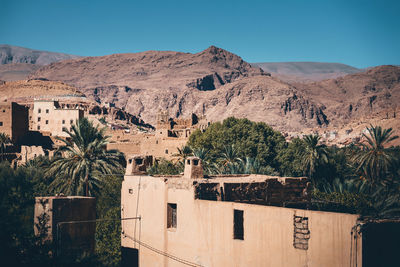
column 250, row 140
column 82, row 166
column 83, row 161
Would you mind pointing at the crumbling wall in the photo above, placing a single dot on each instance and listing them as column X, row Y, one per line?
column 291, row 191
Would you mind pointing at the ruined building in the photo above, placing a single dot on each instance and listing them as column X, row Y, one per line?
column 13, row 120
column 170, row 134
column 241, row 220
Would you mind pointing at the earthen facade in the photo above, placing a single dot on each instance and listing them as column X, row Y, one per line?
column 50, row 117
column 13, row 120
column 240, row 220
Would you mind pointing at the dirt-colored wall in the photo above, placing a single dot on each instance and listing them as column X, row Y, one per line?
column 5, row 118
column 204, row 233
column 30, row 152
column 53, row 119
column 20, row 121
column 13, row 120
column 147, row 144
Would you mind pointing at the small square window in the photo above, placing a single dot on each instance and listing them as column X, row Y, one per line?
column 171, row 215
column 1, row 123
column 195, row 162
column 130, row 191
column 71, row 121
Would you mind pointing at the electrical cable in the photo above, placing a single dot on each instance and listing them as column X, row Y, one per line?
column 175, row 258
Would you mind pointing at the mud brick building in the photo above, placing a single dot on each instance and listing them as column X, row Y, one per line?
column 13, row 120
column 49, row 117
column 242, row 220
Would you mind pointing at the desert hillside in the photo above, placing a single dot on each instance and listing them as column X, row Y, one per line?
column 14, row 54
column 213, row 82
column 306, row 71
column 218, row 84
column 29, row 89
column 355, row 96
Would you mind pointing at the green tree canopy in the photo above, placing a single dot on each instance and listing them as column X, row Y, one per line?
column 250, row 139
column 375, row 158
column 84, row 161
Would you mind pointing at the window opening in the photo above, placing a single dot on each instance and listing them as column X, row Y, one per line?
column 238, row 232
column 171, row 215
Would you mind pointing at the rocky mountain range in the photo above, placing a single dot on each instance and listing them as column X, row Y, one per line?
column 15, row 54
column 213, row 82
column 219, row 84
column 16, row 63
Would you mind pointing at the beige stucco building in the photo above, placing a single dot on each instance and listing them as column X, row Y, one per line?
column 239, row 220
column 49, row 117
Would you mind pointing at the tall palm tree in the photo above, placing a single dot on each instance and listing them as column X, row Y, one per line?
column 230, row 155
column 84, row 160
column 183, row 153
column 4, row 140
column 313, row 155
column 374, row 159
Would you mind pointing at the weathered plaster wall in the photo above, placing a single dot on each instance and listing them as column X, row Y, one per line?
column 48, row 118
column 204, row 233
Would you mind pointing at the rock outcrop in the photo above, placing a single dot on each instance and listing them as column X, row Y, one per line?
column 357, row 95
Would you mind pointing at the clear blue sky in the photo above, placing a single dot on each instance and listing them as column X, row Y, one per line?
column 359, row 33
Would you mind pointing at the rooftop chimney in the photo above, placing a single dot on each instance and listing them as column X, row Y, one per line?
column 193, row 168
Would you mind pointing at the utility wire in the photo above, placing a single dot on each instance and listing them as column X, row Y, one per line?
column 165, row 254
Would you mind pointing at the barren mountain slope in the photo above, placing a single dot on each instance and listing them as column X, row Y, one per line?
column 145, row 82
column 356, row 95
column 219, row 84
column 15, row 54
column 260, row 98
column 16, row 71
column 306, row 71
column 28, row 89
